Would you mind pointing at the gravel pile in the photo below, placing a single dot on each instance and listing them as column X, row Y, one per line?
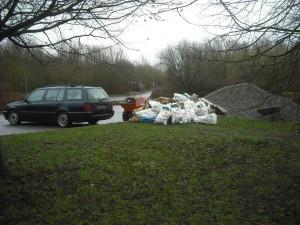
column 244, row 100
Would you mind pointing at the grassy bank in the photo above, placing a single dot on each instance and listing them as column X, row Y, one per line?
column 237, row 172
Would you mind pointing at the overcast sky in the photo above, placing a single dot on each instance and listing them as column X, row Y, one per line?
column 148, row 37
column 144, row 38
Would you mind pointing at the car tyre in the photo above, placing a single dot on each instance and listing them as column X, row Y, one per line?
column 63, row 120
column 93, row 122
column 126, row 116
column 13, row 118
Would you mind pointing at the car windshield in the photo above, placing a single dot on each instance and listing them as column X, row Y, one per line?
column 96, row 94
column 36, row 96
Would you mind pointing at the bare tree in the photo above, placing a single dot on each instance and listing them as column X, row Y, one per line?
column 253, row 21
column 48, row 23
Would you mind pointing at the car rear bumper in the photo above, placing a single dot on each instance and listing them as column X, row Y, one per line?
column 89, row 116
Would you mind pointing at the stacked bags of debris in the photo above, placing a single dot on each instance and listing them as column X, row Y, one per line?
column 182, row 108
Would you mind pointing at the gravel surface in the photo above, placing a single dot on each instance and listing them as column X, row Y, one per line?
column 243, row 100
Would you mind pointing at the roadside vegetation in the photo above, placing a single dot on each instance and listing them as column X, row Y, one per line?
column 203, row 67
column 22, row 72
column 237, row 172
column 109, row 68
column 190, row 67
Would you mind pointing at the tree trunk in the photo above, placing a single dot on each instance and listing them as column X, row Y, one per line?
column 1, row 161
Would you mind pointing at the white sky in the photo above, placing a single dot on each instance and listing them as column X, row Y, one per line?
column 144, row 38
column 149, row 37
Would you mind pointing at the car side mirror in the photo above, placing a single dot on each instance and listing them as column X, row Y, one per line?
column 25, row 99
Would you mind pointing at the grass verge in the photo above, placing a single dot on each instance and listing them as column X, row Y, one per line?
column 237, row 172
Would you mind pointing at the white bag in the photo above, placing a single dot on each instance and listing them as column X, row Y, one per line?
column 164, row 115
column 155, row 106
column 189, row 105
column 208, row 119
column 189, row 110
column 201, row 109
column 187, row 117
column 146, row 113
column 180, row 97
column 187, row 95
column 177, row 115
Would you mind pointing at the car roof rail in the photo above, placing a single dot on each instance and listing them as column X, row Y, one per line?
column 63, row 85
column 55, row 85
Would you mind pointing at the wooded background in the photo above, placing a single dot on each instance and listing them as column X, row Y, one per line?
column 260, row 43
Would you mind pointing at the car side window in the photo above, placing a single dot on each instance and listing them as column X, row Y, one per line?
column 51, row 95
column 74, row 94
column 36, row 96
column 60, row 95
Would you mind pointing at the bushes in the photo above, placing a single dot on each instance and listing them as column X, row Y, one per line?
column 108, row 68
column 9, row 97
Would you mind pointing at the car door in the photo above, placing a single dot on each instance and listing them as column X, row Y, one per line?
column 31, row 111
column 52, row 102
column 74, row 103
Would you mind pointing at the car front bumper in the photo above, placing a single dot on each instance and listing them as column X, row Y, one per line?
column 5, row 114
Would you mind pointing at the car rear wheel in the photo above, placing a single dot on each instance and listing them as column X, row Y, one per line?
column 13, row 118
column 63, row 120
column 93, row 122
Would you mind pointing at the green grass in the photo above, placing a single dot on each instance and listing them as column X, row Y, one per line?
column 238, row 172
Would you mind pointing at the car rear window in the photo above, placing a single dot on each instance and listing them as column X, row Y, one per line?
column 94, row 94
column 74, row 94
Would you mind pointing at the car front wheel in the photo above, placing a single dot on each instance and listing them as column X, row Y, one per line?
column 13, row 118
column 63, row 120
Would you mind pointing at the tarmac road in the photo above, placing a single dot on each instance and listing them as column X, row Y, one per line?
column 6, row 128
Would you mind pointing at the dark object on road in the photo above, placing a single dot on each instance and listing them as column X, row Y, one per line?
column 61, row 104
column 268, row 110
column 131, row 104
column 216, row 108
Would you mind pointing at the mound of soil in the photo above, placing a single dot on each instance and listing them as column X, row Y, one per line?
column 244, row 100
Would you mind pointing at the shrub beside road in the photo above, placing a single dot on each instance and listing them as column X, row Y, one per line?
column 237, row 172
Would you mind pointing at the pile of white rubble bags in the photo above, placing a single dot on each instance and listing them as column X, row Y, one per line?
column 183, row 108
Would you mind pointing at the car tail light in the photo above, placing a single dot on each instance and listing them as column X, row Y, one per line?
column 86, row 107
